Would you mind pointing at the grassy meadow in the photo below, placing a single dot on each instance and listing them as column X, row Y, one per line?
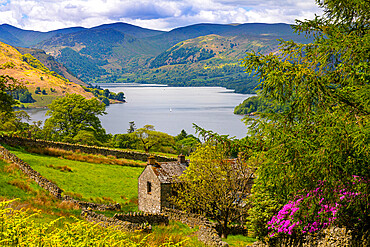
column 56, row 216
column 101, row 183
column 96, row 182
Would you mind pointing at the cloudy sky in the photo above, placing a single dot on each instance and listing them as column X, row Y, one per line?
column 46, row 15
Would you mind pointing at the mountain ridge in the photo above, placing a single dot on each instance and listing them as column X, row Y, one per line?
column 121, row 52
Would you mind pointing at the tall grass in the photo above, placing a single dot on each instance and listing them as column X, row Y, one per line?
column 90, row 158
column 18, row 228
column 14, row 184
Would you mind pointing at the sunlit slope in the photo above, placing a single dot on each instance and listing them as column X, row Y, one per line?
column 54, row 86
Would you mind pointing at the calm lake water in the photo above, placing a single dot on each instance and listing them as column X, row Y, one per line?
column 171, row 109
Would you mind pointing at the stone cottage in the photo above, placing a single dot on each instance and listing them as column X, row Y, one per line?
column 154, row 183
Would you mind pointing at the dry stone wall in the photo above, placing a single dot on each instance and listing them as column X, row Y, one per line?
column 27, row 142
column 104, row 221
column 330, row 237
column 141, row 218
column 48, row 185
column 207, row 232
column 34, row 175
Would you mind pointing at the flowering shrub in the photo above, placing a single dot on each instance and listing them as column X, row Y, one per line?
column 317, row 209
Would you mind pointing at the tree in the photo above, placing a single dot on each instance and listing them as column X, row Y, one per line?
column 323, row 135
column 132, row 127
column 125, row 141
column 38, row 90
column 150, row 138
column 7, row 85
column 185, row 144
column 73, row 113
column 215, row 185
column 120, row 96
column 15, row 122
column 86, row 137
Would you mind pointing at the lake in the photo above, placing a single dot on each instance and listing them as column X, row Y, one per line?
column 171, row 109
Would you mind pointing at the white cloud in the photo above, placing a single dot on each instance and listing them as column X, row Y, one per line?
column 45, row 15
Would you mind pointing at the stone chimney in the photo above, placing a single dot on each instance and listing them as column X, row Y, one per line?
column 151, row 160
column 181, row 159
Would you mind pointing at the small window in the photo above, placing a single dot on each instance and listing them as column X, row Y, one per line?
column 149, row 187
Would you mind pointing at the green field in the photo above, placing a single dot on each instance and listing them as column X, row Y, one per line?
column 87, row 181
column 90, row 182
column 15, row 184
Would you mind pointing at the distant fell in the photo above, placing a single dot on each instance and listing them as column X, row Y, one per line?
column 27, row 38
column 132, row 30
column 50, row 62
column 203, row 54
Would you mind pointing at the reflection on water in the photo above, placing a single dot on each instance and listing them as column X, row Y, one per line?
column 171, row 109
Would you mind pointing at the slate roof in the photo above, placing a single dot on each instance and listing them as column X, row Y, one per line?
column 166, row 171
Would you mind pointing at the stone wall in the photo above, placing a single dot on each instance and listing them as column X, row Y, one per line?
column 104, row 221
column 48, row 185
column 207, row 232
column 34, row 175
column 149, row 202
column 141, row 218
column 330, row 237
column 26, row 142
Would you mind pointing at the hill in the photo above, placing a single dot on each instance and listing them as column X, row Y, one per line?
column 26, row 38
column 195, row 55
column 42, row 84
column 50, row 62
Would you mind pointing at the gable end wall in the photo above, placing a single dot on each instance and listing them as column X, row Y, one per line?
column 150, row 203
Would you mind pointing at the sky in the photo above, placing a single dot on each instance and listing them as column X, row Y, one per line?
column 46, row 15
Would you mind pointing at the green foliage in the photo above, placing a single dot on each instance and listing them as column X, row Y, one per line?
column 28, row 58
column 132, row 127
column 86, row 137
column 185, row 143
column 7, row 65
column 130, row 141
column 71, row 114
column 324, row 135
column 7, row 86
column 82, row 66
column 8, row 181
column 215, row 185
column 23, row 95
column 152, row 139
column 257, row 104
column 104, row 94
column 181, row 55
column 38, row 90
column 15, row 122
column 105, row 101
column 239, row 240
